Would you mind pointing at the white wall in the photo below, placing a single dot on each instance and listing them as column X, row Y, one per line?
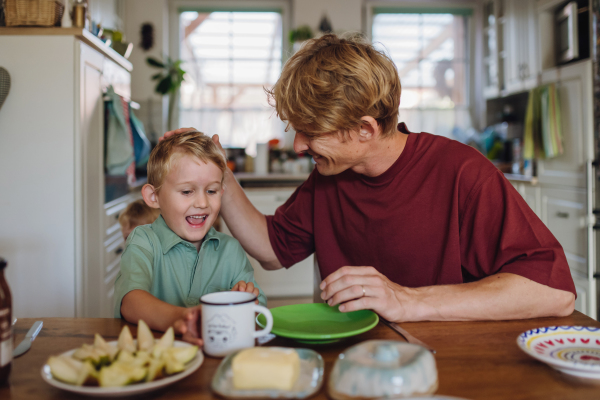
column 138, row 12
column 344, row 15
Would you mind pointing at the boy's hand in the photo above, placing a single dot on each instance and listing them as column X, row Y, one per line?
column 248, row 287
column 189, row 326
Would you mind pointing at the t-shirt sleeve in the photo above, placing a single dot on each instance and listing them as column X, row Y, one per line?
column 136, row 268
column 246, row 273
column 500, row 233
column 291, row 228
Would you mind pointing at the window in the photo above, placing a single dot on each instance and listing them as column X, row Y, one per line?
column 229, row 58
column 432, row 57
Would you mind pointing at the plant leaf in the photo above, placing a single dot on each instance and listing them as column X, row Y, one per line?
column 154, row 62
column 165, row 85
column 157, row 76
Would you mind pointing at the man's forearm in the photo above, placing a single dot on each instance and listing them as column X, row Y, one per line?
column 247, row 224
column 159, row 315
column 497, row 297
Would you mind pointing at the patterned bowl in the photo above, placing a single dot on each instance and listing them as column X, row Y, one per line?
column 574, row 350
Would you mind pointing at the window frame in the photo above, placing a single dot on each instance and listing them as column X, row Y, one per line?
column 177, row 6
column 476, row 101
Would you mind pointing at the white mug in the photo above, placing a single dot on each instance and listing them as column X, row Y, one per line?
column 228, row 322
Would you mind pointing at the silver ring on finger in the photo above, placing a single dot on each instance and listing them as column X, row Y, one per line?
column 363, row 288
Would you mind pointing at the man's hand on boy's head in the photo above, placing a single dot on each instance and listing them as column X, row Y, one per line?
column 176, row 131
column 247, row 287
column 189, row 326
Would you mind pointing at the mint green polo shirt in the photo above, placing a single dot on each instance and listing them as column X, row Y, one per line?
column 166, row 266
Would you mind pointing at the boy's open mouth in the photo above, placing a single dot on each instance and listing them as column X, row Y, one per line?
column 196, row 220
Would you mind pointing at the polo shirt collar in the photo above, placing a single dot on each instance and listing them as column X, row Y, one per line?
column 169, row 239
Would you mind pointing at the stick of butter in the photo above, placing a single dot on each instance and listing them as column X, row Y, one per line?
column 266, row 368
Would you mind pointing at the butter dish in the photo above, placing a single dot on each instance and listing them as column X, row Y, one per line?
column 309, row 380
column 383, row 369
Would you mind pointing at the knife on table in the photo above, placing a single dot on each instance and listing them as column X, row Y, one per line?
column 29, row 337
column 402, row 332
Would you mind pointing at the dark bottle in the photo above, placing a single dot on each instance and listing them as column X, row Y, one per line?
column 6, row 341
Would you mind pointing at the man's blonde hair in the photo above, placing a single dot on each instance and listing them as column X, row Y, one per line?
column 137, row 213
column 331, row 82
column 166, row 153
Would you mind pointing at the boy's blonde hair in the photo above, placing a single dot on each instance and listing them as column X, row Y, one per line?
column 331, row 82
column 168, row 151
column 137, row 213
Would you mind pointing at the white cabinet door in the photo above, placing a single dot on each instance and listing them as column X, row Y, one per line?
column 564, row 212
column 91, row 136
column 585, row 290
column 574, row 84
column 296, row 281
column 521, row 65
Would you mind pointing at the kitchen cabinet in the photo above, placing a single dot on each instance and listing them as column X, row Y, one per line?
column 493, row 48
column 521, row 62
column 62, row 245
column 531, row 193
column 574, row 84
column 510, row 50
column 296, row 281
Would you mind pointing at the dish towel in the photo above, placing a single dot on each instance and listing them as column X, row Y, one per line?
column 543, row 137
column 119, row 156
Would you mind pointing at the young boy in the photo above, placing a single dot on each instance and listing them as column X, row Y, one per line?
column 168, row 265
column 135, row 214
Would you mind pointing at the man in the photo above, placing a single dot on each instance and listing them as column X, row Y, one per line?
column 413, row 226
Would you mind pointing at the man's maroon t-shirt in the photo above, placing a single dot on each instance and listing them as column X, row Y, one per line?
column 441, row 214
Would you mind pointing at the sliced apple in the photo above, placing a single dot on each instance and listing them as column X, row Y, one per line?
column 125, row 341
column 182, row 354
column 145, row 338
column 65, row 369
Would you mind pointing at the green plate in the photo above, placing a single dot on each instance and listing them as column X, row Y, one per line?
column 318, row 322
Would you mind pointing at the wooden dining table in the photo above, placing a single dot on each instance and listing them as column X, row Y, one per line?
column 475, row 360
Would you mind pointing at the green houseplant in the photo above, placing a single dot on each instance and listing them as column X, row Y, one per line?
column 169, row 82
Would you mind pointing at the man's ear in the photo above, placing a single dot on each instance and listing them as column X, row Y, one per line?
column 150, row 196
column 369, row 128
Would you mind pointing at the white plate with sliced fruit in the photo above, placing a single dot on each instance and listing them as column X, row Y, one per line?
column 124, row 367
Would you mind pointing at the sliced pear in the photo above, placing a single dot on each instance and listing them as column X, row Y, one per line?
column 168, row 339
column 145, row 338
column 125, row 341
column 91, row 353
column 110, row 349
column 120, row 374
column 172, row 366
column 182, row 354
column 155, row 370
column 142, row 358
column 125, row 357
column 87, row 375
column 65, row 369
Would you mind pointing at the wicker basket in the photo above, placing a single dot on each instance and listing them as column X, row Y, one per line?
column 33, row 12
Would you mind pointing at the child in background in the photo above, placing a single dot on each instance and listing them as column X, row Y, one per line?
column 168, row 265
column 135, row 214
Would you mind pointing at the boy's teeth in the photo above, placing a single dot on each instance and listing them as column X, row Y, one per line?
column 196, row 219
